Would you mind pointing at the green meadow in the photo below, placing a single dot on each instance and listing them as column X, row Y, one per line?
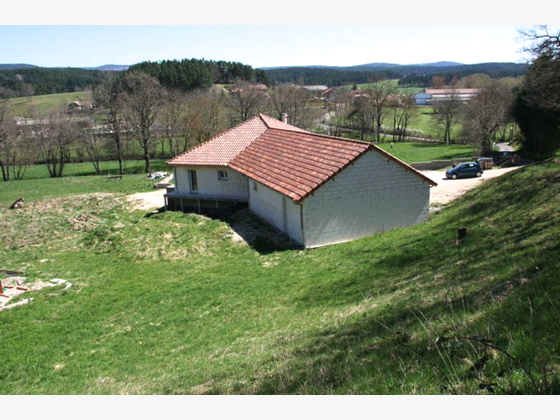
column 167, row 303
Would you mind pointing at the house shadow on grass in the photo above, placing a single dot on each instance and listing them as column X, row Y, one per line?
column 248, row 229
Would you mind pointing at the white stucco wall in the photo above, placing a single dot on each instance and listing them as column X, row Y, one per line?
column 372, row 195
column 209, row 184
column 269, row 205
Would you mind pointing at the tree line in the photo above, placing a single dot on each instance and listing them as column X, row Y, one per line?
column 185, row 75
column 44, row 81
column 417, row 76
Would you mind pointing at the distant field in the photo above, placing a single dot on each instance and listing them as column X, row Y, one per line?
column 426, row 152
column 43, row 104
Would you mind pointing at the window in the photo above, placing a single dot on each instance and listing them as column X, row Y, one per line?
column 255, row 186
column 193, row 180
column 222, row 175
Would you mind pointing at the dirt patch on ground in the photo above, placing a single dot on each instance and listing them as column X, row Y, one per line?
column 449, row 189
column 147, row 201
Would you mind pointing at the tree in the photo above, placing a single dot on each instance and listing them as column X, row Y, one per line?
column 55, row 135
column 92, row 144
column 143, row 98
column 295, row 101
column 362, row 115
column 484, row 115
column 245, row 100
column 537, row 104
column 170, row 119
column 203, row 117
column 446, row 111
column 16, row 152
column 403, row 111
column 437, row 82
column 338, row 107
column 381, row 94
column 109, row 97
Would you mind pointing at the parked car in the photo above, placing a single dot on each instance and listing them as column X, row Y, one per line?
column 465, row 170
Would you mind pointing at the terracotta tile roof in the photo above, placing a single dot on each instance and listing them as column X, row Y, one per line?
column 295, row 163
column 220, row 150
column 285, row 158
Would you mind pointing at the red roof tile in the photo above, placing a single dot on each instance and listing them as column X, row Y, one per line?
column 285, row 158
column 220, row 150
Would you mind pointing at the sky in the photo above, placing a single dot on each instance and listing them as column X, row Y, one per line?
column 259, row 46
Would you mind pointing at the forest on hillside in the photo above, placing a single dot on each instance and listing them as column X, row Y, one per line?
column 185, row 75
column 413, row 75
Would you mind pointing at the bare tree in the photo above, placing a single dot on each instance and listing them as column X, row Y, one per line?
column 361, row 115
column 245, row 100
column 108, row 96
column 204, row 117
column 55, row 135
column 295, row 101
column 484, row 115
column 447, row 109
column 437, row 82
column 380, row 94
column 144, row 98
column 403, row 112
column 338, row 106
column 170, row 119
column 16, row 148
column 93, row 144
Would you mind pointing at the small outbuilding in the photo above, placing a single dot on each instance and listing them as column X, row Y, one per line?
column 317, row 189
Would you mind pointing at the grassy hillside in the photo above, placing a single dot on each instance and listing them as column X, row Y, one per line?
column 43, row 104
column 169, row 304
column 412, row 152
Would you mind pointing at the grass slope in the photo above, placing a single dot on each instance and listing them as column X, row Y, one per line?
column 425, row 152
column 43, row 104
column 169, row 304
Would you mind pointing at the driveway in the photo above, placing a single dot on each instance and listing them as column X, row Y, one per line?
column 450, row 189
column 504, row 147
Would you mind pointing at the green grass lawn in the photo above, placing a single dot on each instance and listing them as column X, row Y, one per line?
column 43, row 104
column 79, row 178
column 426, row 152
column 169, row 304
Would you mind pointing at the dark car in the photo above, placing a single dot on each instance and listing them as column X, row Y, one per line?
column 465, row 170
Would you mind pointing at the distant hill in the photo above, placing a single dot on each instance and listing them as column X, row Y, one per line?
column 105, row 67
column 16, row 66
column 442, row 64
column 109, row 67
column 418, row 73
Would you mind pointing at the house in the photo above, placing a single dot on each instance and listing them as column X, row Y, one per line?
column 431, row 96
column 74, row 106
column 317, row 189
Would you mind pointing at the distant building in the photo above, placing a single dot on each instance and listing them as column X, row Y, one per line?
column 316, row 88
column 74, row 106
column 430, row 96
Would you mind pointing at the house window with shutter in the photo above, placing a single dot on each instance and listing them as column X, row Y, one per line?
column 222, row 175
